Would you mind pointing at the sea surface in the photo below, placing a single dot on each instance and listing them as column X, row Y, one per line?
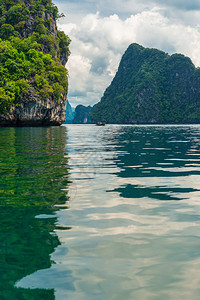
column 109, row 212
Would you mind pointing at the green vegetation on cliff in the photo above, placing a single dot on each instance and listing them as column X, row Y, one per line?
column 151, row 86
column 82, row 114
column 32, row 51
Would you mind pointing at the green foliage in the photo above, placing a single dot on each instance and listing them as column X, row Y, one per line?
column 58, row 90
column 29, row 56
column 151, row 87
column 6, row 30
column 17, row 13
column 6, row 99
column 64, row 42
column 82, row 114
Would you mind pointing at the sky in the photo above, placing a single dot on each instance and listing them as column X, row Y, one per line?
column 102, row 30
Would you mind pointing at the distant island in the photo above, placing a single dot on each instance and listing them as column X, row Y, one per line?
column 151, row 87
column 33, row 54
column 70, row 112
column 79, row 115
column 82, row 114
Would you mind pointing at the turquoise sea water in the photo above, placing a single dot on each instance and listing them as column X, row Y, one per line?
column 92, row 212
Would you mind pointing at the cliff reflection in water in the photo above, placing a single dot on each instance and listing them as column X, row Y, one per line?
column 125, row 243
column 33, row 174
column 155, row 162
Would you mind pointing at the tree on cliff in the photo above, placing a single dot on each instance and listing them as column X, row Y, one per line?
column 33, row 54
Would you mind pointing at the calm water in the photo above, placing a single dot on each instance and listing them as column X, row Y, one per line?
column 91, row 212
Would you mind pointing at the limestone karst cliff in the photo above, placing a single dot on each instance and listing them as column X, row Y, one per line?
column 33, row 54
column 69, row 113
column 151, row 87
column 82, row 114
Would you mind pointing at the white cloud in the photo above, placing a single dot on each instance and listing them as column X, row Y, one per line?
column 75, row 8
column 79, row 69
column 99, row 42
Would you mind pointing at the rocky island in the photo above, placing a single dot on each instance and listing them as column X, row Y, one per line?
column 33, row 54
column 151, row 87
column 82, row 114
column 70, row 112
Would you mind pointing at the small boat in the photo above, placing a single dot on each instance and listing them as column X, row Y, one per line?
column 100, row 124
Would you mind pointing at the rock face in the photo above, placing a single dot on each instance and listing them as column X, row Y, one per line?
column 33, row 92
column 151, row 87
column 36, row 112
